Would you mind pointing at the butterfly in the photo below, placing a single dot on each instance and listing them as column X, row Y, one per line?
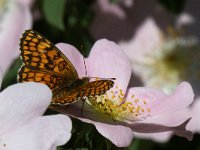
column 43, row 62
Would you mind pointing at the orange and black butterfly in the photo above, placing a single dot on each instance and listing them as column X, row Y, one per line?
column 43, row 62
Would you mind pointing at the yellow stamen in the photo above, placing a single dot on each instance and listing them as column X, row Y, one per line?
column 117, row 107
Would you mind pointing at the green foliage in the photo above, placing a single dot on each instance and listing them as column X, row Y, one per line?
column 173, row 6
column 135, row 145
column 76, row 17
column 114, row 1
column 11, row 76
column 54, row 12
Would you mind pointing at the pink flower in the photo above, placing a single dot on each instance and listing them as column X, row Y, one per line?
column 106, row 7
column 159, row 61
column 15, row 18
column 22, row 124
column 193, row 125
column 121, row 112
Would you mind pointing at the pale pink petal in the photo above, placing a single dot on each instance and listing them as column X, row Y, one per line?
column 193, row 125
column 21, row 103
column 176, row 122
column 144, row 43
column 171, row 119
column 43, row 133
column 107, row 60
column 179, row 130
column 119, row 135
column 28, row 20
column 140, row 48
column 184, row 19
column 194, row 111
column 109, row 8
column 160, row 103
column 14, row 22
column 26, row 3
column 146, row 97
column 156, row 137
column 74, row 56
column 180, row 99
column 164, row 111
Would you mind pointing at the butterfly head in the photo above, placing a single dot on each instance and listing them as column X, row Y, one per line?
column 85, row 79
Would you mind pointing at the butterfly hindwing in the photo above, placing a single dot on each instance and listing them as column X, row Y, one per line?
column 96, row 88
column 93, row 88
column 30, row 75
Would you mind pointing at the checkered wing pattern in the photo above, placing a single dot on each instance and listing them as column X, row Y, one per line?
column 52, row 80
column 40, row 54
column 89, row 90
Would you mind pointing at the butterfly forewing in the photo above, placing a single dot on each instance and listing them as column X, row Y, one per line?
column 40, row 54
column 52, row 80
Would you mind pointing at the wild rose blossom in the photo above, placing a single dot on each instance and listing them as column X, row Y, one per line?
column 22, row 124
column 163, row 61
column 120, row 112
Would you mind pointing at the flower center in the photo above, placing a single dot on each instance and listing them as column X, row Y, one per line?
column 118, row 107
column 177, row 59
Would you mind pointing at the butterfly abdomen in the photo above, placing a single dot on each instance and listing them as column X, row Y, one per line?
column 79, row 82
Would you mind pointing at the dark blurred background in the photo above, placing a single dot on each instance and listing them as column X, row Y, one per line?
column 82, row 22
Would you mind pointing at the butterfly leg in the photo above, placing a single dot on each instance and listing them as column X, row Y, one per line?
column 83, row 100
column 82, row 108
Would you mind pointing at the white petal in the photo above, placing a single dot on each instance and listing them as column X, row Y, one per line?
column 15, row 20
column 107, row 60
column 44, row 133
column 119, row 135
column 21, row 103
column 74, row 56
column 157, row 137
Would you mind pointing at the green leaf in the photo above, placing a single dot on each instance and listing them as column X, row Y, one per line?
column 114, row 1
column 54, row 12
column 60, row 148
column 135, row 145
column 11, row 76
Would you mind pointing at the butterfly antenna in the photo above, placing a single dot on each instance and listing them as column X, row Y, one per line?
column 84, row 60
column 102, row 78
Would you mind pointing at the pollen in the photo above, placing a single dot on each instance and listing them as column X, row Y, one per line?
column 144, row 102
column 115, row 105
